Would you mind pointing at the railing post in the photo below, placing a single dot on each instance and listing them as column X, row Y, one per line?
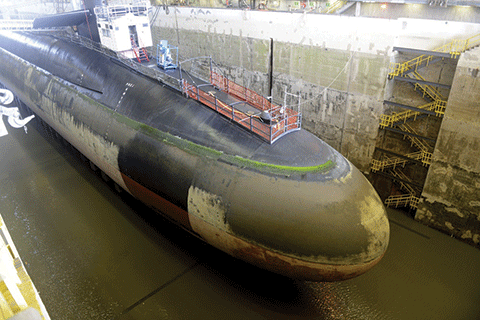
column 211, row 66
column 271, row 136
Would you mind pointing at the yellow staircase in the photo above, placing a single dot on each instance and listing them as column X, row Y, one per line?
column 417, row 142
column 390, row 120
column 404, row 185
column 393, row 162
column 428, row 91
column 410, row 199
column 408, row 71
column 454, row 48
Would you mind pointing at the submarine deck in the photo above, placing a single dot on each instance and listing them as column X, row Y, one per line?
column 118, row 262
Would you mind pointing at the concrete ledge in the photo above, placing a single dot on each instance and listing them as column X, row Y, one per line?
column 27, row 314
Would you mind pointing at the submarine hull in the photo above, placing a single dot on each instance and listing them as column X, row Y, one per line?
column 296, row 207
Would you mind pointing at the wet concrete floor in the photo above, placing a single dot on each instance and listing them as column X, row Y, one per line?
column 95, row 254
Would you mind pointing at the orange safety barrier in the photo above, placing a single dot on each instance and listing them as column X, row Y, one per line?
column 281, row 122
column 241, row 92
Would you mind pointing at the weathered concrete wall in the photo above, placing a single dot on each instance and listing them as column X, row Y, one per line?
column 418, row 11
column 451, row 196
column 337, row 64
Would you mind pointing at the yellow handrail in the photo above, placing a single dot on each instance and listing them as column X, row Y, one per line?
column 454, row 48
column 402, row 200
column 422, row 146
column 427, row 90
column 380, row 165
column 388, row 120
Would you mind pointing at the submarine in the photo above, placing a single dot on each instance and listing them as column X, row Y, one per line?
column 281, row 198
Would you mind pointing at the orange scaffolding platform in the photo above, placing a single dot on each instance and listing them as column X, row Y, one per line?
column 245, row 107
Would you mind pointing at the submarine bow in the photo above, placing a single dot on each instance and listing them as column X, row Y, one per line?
column 295, row 207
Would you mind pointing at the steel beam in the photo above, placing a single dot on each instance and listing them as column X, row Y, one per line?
column 404, row 106
column 391, row 176
column 409, row 134
column 423, row 52
column 398, row 155
column 434, row 84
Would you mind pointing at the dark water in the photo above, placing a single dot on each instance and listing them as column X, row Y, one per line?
column 95, row 254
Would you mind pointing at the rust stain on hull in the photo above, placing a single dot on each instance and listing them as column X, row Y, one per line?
column 276, row 262
column 153, row 200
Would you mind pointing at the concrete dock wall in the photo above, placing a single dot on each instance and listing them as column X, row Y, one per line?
column 337, row 64
column 451, row 196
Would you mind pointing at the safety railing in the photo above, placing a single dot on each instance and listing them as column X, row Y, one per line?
column 393, row 162
column 427, row 158
column 250, row 96
column 121, row 8
column 440, row 106
column 390, row 120
column 454, row 48
column 403, row 200
column 93, row 45
column 399, row 68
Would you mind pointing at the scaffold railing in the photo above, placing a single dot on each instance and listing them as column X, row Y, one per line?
column 280, row 120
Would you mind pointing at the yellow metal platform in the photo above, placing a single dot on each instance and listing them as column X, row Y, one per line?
column 17, row 291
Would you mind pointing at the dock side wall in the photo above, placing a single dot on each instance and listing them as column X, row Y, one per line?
column 451, row 197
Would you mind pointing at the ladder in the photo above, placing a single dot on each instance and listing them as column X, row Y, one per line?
column 140, row 53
